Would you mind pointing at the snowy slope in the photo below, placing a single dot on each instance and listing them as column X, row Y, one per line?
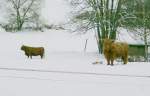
column 66, row 69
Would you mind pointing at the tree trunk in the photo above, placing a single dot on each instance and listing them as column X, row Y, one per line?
column 99, row 39
column 146, row 46
column 19, row 21
column 145, row 32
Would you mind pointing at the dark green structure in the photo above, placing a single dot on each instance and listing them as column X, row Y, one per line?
column 136, row 50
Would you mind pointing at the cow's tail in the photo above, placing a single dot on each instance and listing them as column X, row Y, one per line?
column 43, row 53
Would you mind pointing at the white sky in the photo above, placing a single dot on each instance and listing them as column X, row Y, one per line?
column 55, row 11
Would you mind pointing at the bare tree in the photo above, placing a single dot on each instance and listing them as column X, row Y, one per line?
column 22, row 11
column 103, row 15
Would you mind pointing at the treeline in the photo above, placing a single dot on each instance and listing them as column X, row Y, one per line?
column 24, row 14
column 21, row 14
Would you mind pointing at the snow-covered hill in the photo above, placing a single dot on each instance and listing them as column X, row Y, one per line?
column 66, row 69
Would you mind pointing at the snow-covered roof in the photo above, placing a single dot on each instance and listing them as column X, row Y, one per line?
column 2, row 29
column 129, row 37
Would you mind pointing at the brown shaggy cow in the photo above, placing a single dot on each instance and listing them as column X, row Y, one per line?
column 113, row 50
column 33, row 51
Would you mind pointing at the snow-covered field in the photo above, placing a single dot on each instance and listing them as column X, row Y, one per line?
column 66, row 69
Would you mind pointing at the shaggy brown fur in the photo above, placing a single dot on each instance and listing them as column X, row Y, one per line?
column 33, row 51
column 113, row 50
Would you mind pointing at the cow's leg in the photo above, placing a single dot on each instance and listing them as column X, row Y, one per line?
column 108, row 61
column 126, row 57
column 125, row 60
column 112, row 61
column 41, row 56
column 28, row 56
column 31, row 56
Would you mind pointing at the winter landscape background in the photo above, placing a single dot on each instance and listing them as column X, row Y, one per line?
column 67, row 69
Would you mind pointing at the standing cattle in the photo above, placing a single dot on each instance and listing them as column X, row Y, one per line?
column 113, row 50
column 33, row 51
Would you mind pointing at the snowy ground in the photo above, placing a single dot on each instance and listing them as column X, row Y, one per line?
column 66, row 69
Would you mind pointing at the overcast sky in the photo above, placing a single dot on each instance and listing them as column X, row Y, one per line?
column 55, row 11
